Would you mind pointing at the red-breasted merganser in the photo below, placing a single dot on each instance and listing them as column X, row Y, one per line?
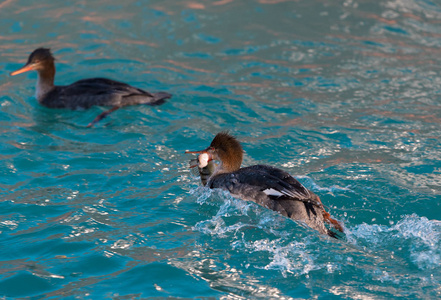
column 84, row 93
column 268, row 186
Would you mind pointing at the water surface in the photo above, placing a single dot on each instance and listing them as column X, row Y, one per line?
column 344, row 95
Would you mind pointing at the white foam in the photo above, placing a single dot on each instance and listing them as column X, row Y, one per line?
column 416, row 237
column 291, row 258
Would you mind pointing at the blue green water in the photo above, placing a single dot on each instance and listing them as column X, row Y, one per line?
column 345, row 95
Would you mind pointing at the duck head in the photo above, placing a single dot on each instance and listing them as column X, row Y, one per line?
column 39, row 60
column 224, row 148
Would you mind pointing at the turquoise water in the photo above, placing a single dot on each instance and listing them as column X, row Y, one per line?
column 345, row 95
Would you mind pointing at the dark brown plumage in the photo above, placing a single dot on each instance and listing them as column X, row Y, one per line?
column 85, row 93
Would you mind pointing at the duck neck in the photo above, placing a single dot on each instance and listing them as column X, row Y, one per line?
column 227, row 167
column 45, row 82
column 220, row 169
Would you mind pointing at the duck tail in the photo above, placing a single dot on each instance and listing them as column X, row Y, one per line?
column 336, row 224
column 159, row 98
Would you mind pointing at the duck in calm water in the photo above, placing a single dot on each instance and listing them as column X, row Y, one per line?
column 84, row 93
column 268, row 186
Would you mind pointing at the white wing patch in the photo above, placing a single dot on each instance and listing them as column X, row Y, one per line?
column 273, row 192
column 285, row 192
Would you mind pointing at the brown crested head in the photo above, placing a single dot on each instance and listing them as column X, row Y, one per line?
column 39, row 60
column 228, row 150
column 41, row 56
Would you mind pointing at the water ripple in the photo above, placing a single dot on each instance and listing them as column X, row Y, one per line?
column 344, row 96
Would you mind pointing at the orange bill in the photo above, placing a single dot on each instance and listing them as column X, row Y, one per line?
column 26, row 68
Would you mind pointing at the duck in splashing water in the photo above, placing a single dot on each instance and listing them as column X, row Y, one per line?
column 268, row 186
